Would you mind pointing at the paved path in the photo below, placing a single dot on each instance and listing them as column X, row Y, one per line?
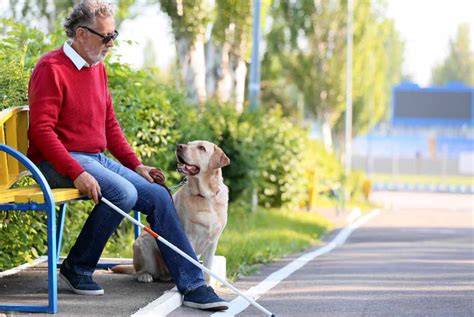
column 416, row 258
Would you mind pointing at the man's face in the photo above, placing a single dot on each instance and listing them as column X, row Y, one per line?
column 92, row 44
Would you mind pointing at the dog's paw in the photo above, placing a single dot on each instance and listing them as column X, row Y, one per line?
column 145, row 278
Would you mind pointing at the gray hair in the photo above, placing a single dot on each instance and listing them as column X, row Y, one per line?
column 85, row 13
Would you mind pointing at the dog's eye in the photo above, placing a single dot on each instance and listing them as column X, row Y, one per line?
column 202, row 148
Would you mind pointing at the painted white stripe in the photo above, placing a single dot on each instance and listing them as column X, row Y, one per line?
column 239, row 304
column 162, row 306
column 23, row 266
column 353, row 215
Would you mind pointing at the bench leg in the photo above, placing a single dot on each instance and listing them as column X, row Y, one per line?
column 60, row 226
column 52, row 260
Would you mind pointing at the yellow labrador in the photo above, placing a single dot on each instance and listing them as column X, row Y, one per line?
column 201, row 205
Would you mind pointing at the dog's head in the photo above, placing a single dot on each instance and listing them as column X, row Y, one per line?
column 199, row 156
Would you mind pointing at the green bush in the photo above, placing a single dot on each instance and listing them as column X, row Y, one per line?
column 281, row 149
column 266, row 150
column 229, row 129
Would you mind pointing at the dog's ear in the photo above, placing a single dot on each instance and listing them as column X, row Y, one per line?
column 218, row 159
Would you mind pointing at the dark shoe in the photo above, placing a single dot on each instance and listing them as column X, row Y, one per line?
column 79, row 283
column 205, row 298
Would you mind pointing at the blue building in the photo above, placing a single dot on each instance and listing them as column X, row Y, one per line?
column 430, row 131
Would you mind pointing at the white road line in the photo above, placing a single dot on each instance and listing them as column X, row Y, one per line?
column 172, row 299
column 162, row 306
column 239, row 304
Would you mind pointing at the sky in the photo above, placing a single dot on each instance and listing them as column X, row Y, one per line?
column 425, row 25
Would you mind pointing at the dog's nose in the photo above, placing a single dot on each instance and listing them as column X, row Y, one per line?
column 180, row 147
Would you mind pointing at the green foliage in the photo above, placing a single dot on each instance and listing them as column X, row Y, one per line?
column 20, row 48
column 264, row 147
column 227, row 128
column 188, row 18
column 354, row 183
column 268, row 234
column 23, row 234
column 281, row 150
column 459, row 64
column 304, row 66
column 237, row 13
column 23, row 237
column 146, row 111
column 265, row 150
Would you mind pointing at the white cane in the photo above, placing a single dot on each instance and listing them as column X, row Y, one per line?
column 187, row 257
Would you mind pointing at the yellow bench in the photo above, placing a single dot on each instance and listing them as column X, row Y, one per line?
column 13, row 165
column 40, row 197
column 13, row 133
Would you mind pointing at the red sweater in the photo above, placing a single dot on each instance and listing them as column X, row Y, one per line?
column 71, row 110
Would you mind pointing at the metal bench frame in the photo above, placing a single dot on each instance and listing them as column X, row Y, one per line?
column 54, row 227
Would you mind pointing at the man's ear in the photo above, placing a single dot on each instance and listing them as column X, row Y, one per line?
column 218, row 159
column 80, row 35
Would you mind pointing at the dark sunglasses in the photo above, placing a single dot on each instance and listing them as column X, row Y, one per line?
column 105, row 39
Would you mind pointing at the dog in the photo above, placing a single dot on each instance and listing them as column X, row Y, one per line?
column 201, row 205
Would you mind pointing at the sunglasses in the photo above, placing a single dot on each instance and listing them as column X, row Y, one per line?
column 105, row 39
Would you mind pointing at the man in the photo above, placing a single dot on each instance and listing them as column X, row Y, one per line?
column 72, row 122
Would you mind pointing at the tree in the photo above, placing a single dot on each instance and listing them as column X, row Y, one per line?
column 189, row 21
column 46, row 12
column 304, row 65
column 224, row 52
column 459, row 64
column 227, row 51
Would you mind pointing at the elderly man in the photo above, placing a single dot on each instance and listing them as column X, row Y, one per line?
column 72, row 123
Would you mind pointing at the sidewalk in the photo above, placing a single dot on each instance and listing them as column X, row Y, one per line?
column 123, row 296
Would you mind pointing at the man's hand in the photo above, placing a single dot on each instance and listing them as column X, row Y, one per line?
column 88, row 185
column 151, row 174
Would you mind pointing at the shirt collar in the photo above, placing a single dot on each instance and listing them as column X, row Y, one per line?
column 74, row 56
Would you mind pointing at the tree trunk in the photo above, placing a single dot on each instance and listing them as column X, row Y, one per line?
column 326, row 134
column 213, row 67
column 240, row 75
column 192, row 61
column 227, row 70
column 224, row 82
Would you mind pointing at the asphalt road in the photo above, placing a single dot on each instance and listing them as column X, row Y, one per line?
column 416, row 258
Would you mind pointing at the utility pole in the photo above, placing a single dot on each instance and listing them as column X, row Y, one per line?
column 254, row 82
column 348, row 123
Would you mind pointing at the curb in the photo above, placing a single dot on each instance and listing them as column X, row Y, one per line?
column 172, row 299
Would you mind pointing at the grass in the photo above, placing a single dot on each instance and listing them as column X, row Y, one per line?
column 251, row 239
column 423, row 179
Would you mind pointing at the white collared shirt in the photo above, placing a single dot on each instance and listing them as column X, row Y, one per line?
column 74, row 56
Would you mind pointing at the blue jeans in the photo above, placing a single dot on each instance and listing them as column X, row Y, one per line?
column 129, row 191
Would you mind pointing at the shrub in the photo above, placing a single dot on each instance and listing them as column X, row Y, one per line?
column 266, row 150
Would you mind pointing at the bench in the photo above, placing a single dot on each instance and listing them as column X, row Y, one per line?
column 40, row 197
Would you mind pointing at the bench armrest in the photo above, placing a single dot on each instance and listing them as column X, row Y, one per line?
column 36, row 173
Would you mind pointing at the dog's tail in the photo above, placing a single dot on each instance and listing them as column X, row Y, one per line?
column 123, row 269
